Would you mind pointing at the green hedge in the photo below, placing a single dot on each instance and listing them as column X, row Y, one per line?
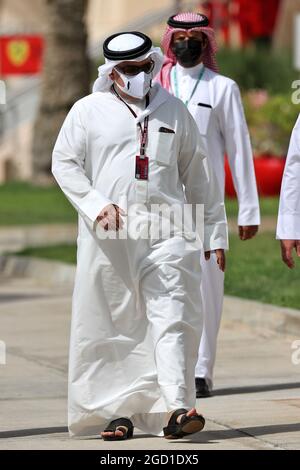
column 254, row 68
column 271, row 124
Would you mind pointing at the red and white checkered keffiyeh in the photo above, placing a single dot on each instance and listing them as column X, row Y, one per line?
column 209, row 59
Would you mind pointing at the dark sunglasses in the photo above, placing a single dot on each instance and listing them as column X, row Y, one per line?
column 185, row 38
column 132, row 70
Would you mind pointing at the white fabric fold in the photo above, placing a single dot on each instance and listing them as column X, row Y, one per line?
column 288, row 226
column 136, row 312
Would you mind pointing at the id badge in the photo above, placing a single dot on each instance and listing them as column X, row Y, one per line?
column 141, row 167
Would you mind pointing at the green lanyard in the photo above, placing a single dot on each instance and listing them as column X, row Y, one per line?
column 195, row 87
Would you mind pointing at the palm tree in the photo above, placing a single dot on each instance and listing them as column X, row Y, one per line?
column 65, row 76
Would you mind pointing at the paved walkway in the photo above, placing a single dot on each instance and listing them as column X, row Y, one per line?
column 256, row 403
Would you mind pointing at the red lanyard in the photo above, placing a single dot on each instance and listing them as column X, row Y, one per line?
column 144, row 130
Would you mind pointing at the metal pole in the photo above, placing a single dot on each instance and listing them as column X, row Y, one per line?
column 297, row 41
column 177, row 5
column 1, row 10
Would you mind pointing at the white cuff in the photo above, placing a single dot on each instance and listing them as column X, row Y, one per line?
column 216, row 237
column 93, row 203
column 248, row 215
column 288, row 227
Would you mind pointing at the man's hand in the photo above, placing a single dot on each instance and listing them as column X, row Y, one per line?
column 110, row 218
column 287, row 247
column 247, row 231
column 221, row 258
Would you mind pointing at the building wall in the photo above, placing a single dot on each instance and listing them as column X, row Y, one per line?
column 104, row 16
column 103, row 20
column 21, row 16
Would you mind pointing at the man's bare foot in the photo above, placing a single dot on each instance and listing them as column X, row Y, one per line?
column 119, row 432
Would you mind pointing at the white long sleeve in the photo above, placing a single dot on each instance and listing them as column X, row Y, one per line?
column 201, row 187
column 68, row 162
column 238, row 147
column 288, row 226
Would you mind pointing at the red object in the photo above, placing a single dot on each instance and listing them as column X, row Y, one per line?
column 229, row 187
column 141, row 167
column 268, row 171
column 219, row 15
column 258, row 18
column 20, row 55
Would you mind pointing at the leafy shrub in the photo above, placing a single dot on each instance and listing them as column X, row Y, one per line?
column 271, row 124
column 254, row 68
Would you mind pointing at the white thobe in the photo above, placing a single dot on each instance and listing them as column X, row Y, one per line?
column 135, row 318
column 288, row 225
column 218, row 111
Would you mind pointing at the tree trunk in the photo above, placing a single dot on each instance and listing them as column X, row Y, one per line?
column 65, row 76
column 177, row 6
column 284, row 31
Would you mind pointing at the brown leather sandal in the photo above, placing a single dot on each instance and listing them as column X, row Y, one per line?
column 122, row 424
column 188, row 425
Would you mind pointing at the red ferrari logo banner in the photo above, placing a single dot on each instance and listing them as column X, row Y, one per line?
column 20, row 55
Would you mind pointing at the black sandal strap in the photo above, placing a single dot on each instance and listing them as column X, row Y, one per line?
column 176, row 431
column 120, row 422
column 173, row 419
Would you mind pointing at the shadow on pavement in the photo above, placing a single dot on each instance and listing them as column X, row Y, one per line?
column 32, row 432
column 255, row 389
column 206, row 437
column 53, row 430
column 5, row 298
column 203, row 437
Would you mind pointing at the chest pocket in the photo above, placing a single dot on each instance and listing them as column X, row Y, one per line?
column 163, row 147
column 202, row 114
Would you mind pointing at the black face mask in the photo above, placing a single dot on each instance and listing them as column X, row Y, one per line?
column 188, row 51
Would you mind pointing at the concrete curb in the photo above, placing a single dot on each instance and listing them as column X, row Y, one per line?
column 260, row 315
column 13, row 239
column 252, row 313
column 52, row 273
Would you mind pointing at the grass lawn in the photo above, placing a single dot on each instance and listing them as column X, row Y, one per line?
column 254, row 270
column 268, row 206
column 64, row 253
column 26, row 204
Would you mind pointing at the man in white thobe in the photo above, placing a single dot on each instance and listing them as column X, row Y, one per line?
column 288, row 226
column 135, row 319
column 190, row 73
